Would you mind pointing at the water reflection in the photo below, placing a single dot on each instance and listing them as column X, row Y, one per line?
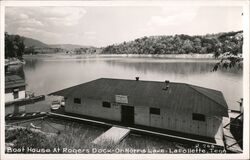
column 178, row 67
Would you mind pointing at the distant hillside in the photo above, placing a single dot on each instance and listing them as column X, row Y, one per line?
column 29, row 42
column 67, row 46
column 16, row 46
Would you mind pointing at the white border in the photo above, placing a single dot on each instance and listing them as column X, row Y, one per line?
column 128, row 3
column 2, row 139
column 246, row 56
column 244, row 3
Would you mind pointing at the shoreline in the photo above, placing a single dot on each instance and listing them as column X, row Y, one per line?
column 168, row 56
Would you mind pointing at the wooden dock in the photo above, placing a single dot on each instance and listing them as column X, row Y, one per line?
column 114, row 135
column 230, row 142
column 219, row 143
column 77, row 118
column 23, row 116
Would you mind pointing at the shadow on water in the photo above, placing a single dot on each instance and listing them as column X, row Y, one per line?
column 31, row 63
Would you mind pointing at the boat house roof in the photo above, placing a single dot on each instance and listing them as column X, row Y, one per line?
column 13, row 81
column 179, row 97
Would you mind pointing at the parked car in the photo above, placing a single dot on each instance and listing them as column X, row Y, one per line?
column 62, row 102
column 55, row 105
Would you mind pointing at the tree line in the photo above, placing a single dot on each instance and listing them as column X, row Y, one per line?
column 181, row 44
column 87, row 50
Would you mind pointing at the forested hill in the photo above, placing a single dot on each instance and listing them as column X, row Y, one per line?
column 181, row 44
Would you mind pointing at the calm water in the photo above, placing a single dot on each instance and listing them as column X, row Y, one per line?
column 46, row 74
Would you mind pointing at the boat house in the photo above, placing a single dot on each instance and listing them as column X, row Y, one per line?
column 14, row 88
column 177, row 107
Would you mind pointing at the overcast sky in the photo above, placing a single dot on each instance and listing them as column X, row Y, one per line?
column 101, row 26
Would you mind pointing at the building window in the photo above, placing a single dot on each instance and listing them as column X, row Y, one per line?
column 77, row 100
column 198, row 117
column 15, row 93
column 156, row 111
column 106, row 104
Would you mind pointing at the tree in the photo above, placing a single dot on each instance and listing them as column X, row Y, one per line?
column 188, row 46
column 177, row 43
column 9, row 47
column 14, row 46
column 231, row 54
column 197, row 45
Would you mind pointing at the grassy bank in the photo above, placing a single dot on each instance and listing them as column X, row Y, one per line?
column 79, row 141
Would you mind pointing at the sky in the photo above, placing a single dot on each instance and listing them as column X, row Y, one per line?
column 105, row 25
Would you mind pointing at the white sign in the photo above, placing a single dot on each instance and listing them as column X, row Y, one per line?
column 121, row 99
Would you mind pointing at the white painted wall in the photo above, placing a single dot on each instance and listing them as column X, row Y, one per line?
column 10, row 96
column 142, row 116
column 181, row 122
column 176, row 121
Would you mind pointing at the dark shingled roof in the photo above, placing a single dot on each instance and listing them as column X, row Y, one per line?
column 12, row 81
column 179, row 97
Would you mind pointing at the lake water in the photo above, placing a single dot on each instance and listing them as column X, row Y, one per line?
column 46, row 74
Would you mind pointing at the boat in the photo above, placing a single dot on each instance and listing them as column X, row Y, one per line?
column 22, row 61
column 56, row 104
column 29, row 94
column 20, row 116
column 14, row 61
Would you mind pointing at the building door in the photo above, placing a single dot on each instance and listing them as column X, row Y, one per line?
column 15, row 94
column 127, row 115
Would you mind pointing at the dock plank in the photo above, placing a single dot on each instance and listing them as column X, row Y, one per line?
column 26, row 101
column 114, row 134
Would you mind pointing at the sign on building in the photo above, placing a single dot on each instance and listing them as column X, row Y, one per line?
column 121, row 99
